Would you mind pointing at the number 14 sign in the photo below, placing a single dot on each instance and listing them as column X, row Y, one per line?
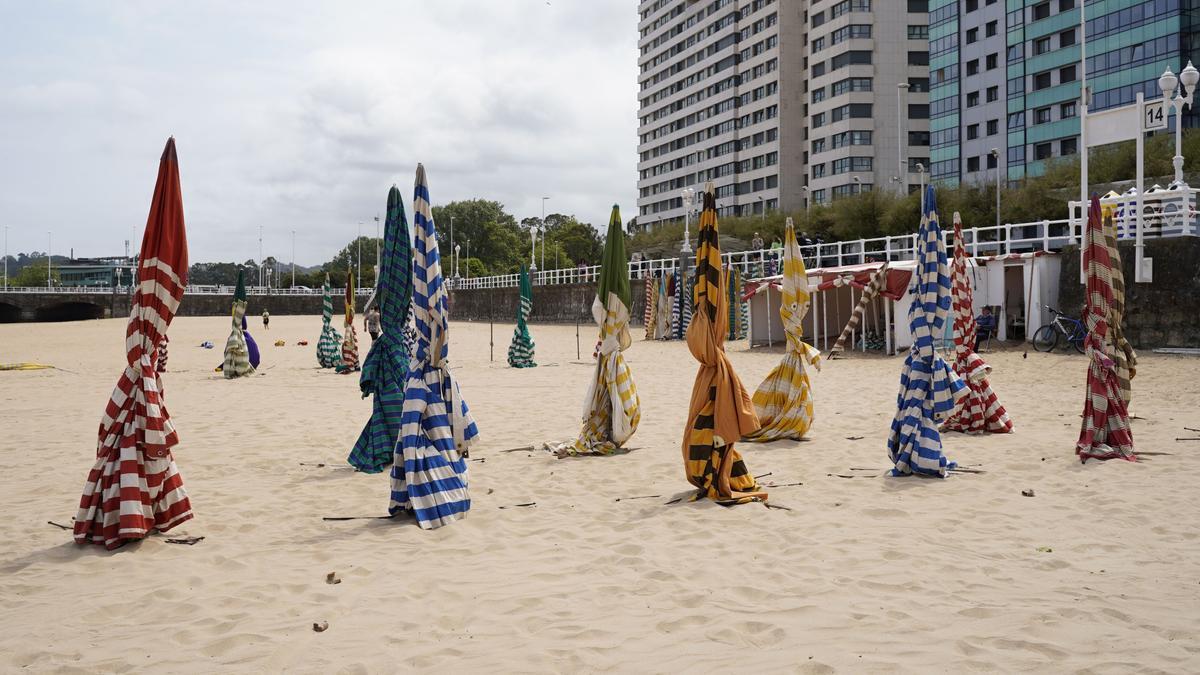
column 1154, row 116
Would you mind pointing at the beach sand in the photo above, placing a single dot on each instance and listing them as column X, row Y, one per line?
column 1099, row 572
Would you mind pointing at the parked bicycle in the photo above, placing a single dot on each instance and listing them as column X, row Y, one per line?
column 1061, row 327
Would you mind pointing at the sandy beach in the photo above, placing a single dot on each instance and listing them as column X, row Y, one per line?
column 1099, row 572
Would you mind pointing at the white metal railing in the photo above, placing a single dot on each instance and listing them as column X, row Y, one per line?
column 190, row 290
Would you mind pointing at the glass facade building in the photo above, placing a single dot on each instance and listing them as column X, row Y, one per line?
column 1031, row 114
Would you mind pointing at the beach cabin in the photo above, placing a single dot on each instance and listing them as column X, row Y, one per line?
column 1016, row 286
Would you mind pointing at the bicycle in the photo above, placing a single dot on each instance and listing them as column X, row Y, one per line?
column 1062, row 326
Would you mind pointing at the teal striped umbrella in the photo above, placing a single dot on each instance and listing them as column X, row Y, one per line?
column 386, row 367
column 329, row 345
column 520, row 352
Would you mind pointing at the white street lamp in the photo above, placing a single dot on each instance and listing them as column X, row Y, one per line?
column 857, row 185
column 689, row 198
column 995, row 152
column 260, row 256
column 6, row 257
column 901, row 140
column 293, row 258
column 457, row 258
column 1183, row 99
column 358, row 284
column 468, row 258
column 544, row 232
column 49, row 258
column 533, row 233
column 807, row 200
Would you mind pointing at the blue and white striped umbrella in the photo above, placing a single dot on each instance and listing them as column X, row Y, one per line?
column 429, row 472
column 929, row 387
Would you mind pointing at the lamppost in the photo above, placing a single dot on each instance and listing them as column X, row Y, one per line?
column 293, row 258
column 995, row 152
column 544, row 232
column 468, row 258
column 452, row 233
column 359, row 240
column 764, row 208
column 807, row 200
column 857, row 185
column 6, row 257
column 533, row 233
column 901, row 141
column 457, row 259
column 689, row 198
column 378, row 257
column 49, row 258
column 260, row 256
column 1183, row 99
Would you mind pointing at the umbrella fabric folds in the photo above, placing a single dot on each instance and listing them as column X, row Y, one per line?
column 651, row 317
column 1105, row 432
column 329, row 345
column 611, row 410
column 677, row 330
column 385, row 370
column 734, row 285
column 237, row 354
column 1123, row 355
column 868, row 294
column 162, row 354
column 662, row 324
column 929, row 388
column 720, row 411
column 429, row 471
column 520, row 352
column 980, row 410
column 784, row 401
column 349, row 361
column 134, row 488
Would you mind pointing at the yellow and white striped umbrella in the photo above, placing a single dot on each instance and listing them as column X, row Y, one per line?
column 784, row 400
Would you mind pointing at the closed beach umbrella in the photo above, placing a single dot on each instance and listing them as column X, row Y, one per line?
column 1105, row 432
column 980, row 410
column 784, row 400
column 349, row 361
column 520, row 352
column 134, row 487
column 651, row 316
column 329, row 345
column 237, row 354
column 929, row 388
column 720, row 411
column 385, row 370
column 611, row 410
column 429, row 471
column 662, row 324
column 1123, row 354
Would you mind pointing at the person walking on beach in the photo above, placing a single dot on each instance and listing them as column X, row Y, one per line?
column 266, row 320
column 371, row 323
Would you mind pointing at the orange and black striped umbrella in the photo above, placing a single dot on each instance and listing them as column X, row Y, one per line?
column 721, row 411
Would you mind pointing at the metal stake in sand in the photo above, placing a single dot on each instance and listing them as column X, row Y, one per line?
column 492, row 325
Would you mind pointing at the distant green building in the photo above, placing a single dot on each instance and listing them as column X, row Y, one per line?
column 95, row 272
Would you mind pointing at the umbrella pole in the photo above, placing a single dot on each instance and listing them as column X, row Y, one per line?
column 767, row 314
column 577, row 356
column 492, row 325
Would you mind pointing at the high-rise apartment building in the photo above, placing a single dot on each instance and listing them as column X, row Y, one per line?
column 1007, row 75
column 868, row 80
column 729, row 93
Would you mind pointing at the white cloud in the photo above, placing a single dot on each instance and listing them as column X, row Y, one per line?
column 300, row 116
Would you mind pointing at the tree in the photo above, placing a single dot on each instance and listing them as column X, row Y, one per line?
column 34, row 274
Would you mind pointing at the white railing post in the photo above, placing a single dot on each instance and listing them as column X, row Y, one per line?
column 1045, row 235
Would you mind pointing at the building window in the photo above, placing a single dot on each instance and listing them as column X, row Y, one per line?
column 918, row 111
column 970, row 6
column 1064, row 5
column 1043, row 151
column 818, row 69
column 917, row 58
column 1041, row 45
column 972, row 164
column 990, row 29
column 972, row 67
column 818, row 146
column 1067, row 110
column 1041, row 11
column 973, row 36
column 818, row 196
column 1068, row 146
column 918, row 84
column 818, row 120
column 1066, row 38
column 818, row 170
column 1041, row 116
column 1016, row 120
column 1066, row 74
column 818, row 94
column 818, row 19
column 818, row 44
column 972, row 132
column 993, row 94
column 993, row 61
column 1041, row 81
column 993, row 127
column 918, row 32
column 972, row 99
column 919, row 138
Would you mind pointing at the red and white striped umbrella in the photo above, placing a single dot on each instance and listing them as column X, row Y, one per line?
column 134, row 488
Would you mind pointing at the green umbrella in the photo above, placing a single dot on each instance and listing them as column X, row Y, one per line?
column 237, row 354
column 520, row 352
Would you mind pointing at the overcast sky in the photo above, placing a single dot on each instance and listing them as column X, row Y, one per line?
column 301, row 115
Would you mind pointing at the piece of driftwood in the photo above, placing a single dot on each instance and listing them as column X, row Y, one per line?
column 523, row 448
column 59, row 525
column 638, row 497
column 338, row 518
column 517, row 505
column 186, row 541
